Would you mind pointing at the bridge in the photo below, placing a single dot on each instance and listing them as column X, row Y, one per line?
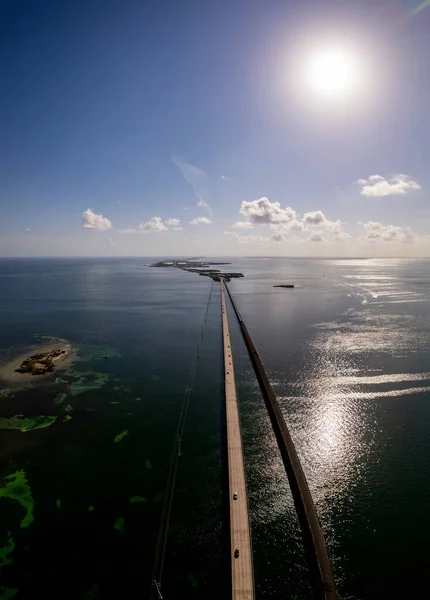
column 242, row 576
column 242, row 579
column 315, row 546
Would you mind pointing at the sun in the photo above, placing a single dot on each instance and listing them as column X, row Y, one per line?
column 332, row 73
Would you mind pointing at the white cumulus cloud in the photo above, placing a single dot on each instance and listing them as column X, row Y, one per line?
column 317, row 237
column 90, row 220
column 377, row 186
column 314, row 218
column 243, row 225
column 317, row 221
column 172, row 222
column 154, row 224
column 278, row 237
column 377, row 232
column 198, row 220
column 283, row 220
column 265, row 212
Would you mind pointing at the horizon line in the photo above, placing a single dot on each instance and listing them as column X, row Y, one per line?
column 166, row 257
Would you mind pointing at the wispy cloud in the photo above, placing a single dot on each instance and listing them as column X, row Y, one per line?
column 377, row 186
column 198, row 220
column 203, row 204
column 91, row 220
column 197, row 178
column 248, row 239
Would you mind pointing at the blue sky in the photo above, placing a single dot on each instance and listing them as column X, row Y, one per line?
column 154, row 127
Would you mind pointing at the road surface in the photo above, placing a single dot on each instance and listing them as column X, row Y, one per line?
column 241, row 567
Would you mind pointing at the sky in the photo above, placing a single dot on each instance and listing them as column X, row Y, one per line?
column 214, row 128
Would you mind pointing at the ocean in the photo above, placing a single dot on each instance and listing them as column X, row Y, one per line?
column 85, row 452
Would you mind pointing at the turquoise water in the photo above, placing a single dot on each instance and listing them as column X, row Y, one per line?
column 348, row 358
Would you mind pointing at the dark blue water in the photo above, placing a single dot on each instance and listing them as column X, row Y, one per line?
column 348, row 357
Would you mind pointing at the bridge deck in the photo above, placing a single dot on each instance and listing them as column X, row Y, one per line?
column 241, row 567
column 324, row 585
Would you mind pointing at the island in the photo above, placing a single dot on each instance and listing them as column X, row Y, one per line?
column 42, row 363
column 218, row 275
column 186, row 264
column 200, row 267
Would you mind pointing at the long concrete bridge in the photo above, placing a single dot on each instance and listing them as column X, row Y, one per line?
column 315, row 546
column 242, row 578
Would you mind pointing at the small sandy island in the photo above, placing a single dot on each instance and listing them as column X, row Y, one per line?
column 37, row 363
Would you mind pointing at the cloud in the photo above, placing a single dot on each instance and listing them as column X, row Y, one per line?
column 282, row 220
column 203, row 220
column 265, row 212
column 377, row 232
column 202, row 204
column 29, row 229
column 242, row 225
column 278, row 237
column 222, row 176
column 196, row 178
column 154, row 224
column 316, row 220
column 340, row 236
column 317, row 237
column 377, row 186
column 91, row 220
column 172, row 222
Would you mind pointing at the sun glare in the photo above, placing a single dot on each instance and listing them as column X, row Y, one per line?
column 332, row 73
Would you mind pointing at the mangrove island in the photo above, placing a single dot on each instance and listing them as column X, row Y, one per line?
column 41, row 364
